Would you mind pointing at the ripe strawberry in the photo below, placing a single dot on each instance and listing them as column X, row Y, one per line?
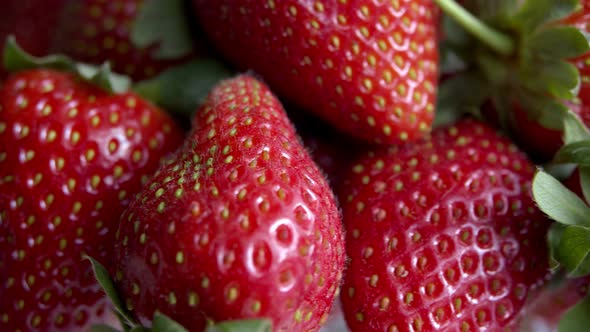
column 331, row 150
column 96, row 31
column 536, row 70
column 542, row 141
column 71, row 158
column 442, row 234
column 368, row 67
column 240, row 224
column 32, row 22
column 545, row 312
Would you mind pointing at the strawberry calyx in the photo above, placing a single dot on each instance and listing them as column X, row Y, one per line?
column 162, row 23
column 517, row 52
column 17, row 59
column 569, row 236
column 160, row 321
column 183, row 88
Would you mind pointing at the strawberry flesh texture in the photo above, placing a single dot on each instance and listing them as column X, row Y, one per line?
column 71, row 158
column 442, row 235
column 368, row 67
column 241, row 224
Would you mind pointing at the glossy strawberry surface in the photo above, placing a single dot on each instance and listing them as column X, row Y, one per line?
column 71, row 158
column 442, row 235
column 368, row 67
column 240, row 224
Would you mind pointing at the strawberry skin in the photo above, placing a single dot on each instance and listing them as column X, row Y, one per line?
column 96, row 31
column 71, row 158
column 442, row 234
column 240, row 224
column 33, row 22
column 368, row 67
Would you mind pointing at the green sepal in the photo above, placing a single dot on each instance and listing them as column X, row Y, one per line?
column 574, row 129
column 16, row 59
column 558, row 202
column 547, row 111
column 553, row 238
column 103, row 328
column 250, row 325
column 491, row 10
column 453, row 100
column 576, row 319
column 162, row 24
column 108, row 286
column 584, row 172
column 576, row 153
column 573, row 251
column 163, row 323
column 183, row 88
column 533, row 13
column 140, row 329
column 558, row 42
column 557, row 78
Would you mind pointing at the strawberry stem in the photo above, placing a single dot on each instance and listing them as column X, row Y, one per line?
column 494, row 39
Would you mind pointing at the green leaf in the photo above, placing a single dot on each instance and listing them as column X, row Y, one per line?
column 574, row 129
column 576, row 153
column 103, row 328
column 163, row 23
column 573, row 251
column 558, row 202
column 577, row 319
column 163, row 323
column 558, row 42
column 250, row 325
column 533, row 13
column 15, row 59
column 557, row 78
column 585, row 181
column 553, row 237
column 140, row 329
column 183, row 88
column 547, row 111
column 108, row 285
column 453, row 101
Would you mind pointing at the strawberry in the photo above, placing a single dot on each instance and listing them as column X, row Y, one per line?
column 443, row 234
column 240, row 224
column 97, row 31
column 32, row 22
column 368, row 67
column 532, row 61
column 71, row 157
column 331, row 150
column 545, row 311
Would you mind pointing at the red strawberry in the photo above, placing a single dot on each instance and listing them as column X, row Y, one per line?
column 241, row 224
column 530, row 72
column 32, row 22
column 71, row 158
column 96, row 31
column 545, row 312
column 330, row 149
column 368, row 67
column 443, row 234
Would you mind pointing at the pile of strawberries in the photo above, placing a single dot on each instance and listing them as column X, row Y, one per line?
column 269, row 165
